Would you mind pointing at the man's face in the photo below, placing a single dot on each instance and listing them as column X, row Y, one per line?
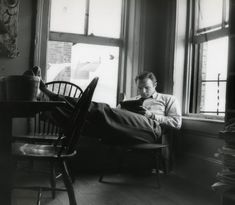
column 146, row 87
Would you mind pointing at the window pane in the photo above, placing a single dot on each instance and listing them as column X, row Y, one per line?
column 105, row 18
column 80, row 63
column 68, row 16
column 214, row 56
column 214, row 59
column 89, row 61
column 58, row 61
column 209, row 13
column 227, row 10
column 213, row 98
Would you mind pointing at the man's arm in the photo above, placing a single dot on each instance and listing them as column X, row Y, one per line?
column 172, row 116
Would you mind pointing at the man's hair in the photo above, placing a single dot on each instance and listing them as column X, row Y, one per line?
column 146, row 75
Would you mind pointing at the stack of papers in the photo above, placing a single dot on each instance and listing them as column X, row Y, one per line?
column 226, row 176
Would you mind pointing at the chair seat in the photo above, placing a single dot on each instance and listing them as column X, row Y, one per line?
column 37, row 150
column 147, row 146
column 44, row 138
column 154, row 149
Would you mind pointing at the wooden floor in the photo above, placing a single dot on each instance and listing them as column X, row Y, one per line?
column 121, row 190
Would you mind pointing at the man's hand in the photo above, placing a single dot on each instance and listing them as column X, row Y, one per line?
column 146, row 112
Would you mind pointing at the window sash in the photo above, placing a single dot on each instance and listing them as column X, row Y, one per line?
column 211, row 32
column 86, row 26
column 196, row 16
column 197, row 81
column 89, row 39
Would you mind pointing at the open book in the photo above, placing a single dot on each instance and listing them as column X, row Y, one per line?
column 133, row 106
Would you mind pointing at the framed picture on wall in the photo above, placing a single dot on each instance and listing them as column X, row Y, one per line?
column 9, row 10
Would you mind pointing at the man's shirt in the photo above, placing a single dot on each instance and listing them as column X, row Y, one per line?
column 165, row 109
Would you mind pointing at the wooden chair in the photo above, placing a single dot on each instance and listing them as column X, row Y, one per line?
column 45, row 131
column 42, row 128
column 62, row 152
column 64, row 88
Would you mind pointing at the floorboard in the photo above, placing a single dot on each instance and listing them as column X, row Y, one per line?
column 120, row 189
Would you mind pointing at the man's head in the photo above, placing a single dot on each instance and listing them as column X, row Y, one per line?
column 146, row 84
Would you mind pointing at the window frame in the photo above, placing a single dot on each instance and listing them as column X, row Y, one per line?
column 92, row 39
column 43, row 35
column 192, row 63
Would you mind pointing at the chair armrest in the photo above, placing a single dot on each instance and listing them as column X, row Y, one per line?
column 44, row 139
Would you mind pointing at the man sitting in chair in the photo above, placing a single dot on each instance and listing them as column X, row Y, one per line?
column 156, row 106
column 126, row 125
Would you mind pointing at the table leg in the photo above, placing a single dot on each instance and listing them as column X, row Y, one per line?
column 5, row 159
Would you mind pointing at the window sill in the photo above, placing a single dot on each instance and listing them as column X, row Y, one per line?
column 203, row 118
column 195, row 125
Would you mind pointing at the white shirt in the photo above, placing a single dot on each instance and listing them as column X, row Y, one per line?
column 165, row 109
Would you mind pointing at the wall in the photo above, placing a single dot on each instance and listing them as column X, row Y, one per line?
column 159, row 30
column 196, row 145
column 230, row 95
column 150, row 43
column 24, row 61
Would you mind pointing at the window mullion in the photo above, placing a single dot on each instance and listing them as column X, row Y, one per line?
column 87, row 18
column 195, row 21
column 224, row 14
column 75, row 38
column 199, row 77
column 193, row 96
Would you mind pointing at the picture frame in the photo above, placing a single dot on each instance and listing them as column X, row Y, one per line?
column 9, row 10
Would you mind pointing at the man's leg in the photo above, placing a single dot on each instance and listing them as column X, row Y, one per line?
column 117, row 126
column 113, row 125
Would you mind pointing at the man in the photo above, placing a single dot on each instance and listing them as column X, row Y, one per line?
column 157, row 106
column 119, row 126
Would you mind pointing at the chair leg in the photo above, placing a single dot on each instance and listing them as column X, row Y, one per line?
column 121, row 157
column 157, row 164
column 117, row 165
column 71, row 174
column 39, row 196
column 101, row 177
column 53, row 179
column 102, row 173
column 68, row 183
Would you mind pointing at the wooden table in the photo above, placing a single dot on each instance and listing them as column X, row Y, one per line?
column 8, row 111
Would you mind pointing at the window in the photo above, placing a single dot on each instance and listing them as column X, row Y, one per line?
column 85, row 41
column 208, row 57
